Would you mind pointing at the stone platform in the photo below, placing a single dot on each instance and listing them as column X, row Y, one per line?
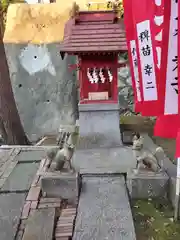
column 104, row 160
column 104, row 211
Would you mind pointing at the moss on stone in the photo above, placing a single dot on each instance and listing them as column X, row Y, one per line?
column 154, row 220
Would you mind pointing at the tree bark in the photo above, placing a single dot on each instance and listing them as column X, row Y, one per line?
column 9, row 115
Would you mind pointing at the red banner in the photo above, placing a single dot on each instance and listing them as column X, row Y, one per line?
column 147, row 57
column 132, row 52
column 178, row 135
column 167, row 125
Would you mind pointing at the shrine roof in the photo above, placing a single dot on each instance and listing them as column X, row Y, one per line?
column 91, row 31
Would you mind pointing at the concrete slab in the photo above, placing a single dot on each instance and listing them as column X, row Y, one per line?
column 30, row 156
column 147, row 185
column 21, row 177
column 10, row 212
column 104, row 160
column 104, row 211
column 40, row 225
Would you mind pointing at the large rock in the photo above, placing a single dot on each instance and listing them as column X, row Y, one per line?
column 43, row 86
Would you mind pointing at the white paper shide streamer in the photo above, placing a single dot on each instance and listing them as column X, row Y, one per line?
column 110, row 75
column 89, row 76
column 102, row 78
column 95, row 76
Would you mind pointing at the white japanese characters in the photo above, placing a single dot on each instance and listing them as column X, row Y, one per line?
column 171, row 90
column 147, row 61
column 135, row 68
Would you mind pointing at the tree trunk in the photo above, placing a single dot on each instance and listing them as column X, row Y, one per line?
column 8, row 111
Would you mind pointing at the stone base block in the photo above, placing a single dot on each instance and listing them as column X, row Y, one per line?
column 147, row 185
column 99, row 126
column 61, row 185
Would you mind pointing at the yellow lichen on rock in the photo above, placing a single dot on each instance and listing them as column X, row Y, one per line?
column 36, row 23
column 39, row 23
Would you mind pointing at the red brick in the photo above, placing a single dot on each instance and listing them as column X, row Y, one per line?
column 33, row 194
column 35, row 181
column 64, row 224
column 62, row 238
column 26, row 209
column 41, row 166
column 47, row 163
column 34, row 204
column 50, row 200
column 48, row 205
column 63, row 234
column 64, row 229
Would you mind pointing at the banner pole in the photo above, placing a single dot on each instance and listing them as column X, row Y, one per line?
column 177, row 197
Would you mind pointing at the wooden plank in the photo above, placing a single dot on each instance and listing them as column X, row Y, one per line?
column 93, row 38
column 95, row 44
column 99, row 36
column 40, row 225
column 96, row 48
column 93, row 26
column 26, row 210
column 100, row 31
column 98, row 95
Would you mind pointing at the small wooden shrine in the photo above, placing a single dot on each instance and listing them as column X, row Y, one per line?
column 96, row 38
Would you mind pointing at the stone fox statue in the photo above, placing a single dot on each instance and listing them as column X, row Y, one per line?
column 144, row 157
column 60, row 156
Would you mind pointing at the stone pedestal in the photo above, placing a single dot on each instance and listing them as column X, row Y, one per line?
column 147, row 184
column 61, row 185
column 99, row 126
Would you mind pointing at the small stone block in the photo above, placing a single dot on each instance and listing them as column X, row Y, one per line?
column 33, row 194
column 64, row 186
column 147, row 185
column 26, row 209
column 40, row 225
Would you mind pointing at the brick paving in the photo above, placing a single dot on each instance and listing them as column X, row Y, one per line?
column 34, row 202
column 54, row 215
